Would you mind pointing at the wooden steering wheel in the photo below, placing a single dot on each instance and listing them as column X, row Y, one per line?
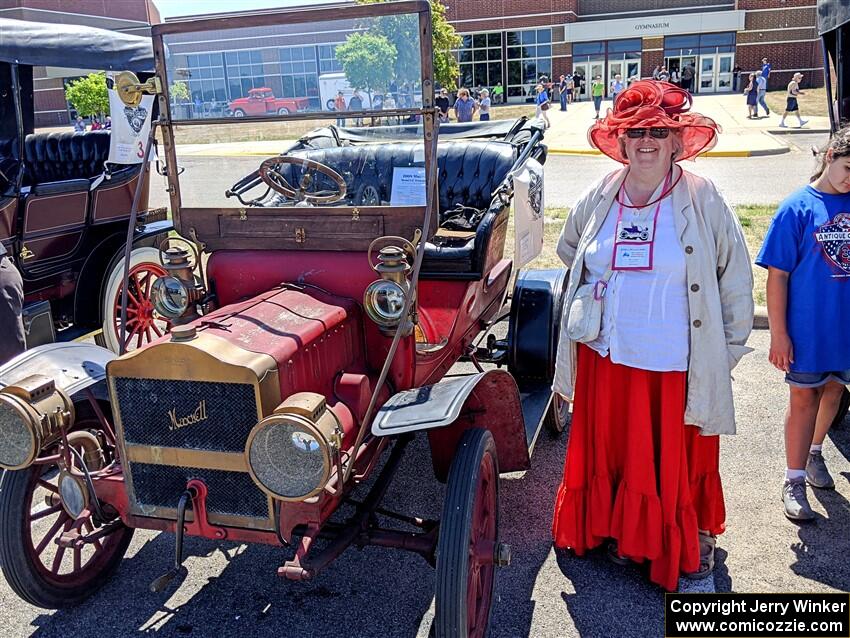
column 275, row 180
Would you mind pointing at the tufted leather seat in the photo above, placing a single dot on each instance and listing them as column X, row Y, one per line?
column 468, row 174
column 54, row 157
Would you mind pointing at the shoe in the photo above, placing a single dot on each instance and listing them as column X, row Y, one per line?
column 783, row 125
column 796, row 503
column 707, row 545
column 803, row 123
column 768, row 114
column 613, row 554
column 816, row 473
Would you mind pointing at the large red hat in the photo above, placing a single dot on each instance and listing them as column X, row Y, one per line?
column 652, row 103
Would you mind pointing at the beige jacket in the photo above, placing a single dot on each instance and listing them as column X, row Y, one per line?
column 720, row 301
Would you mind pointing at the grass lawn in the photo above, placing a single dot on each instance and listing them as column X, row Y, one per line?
column 754, row 219
column 812, row 103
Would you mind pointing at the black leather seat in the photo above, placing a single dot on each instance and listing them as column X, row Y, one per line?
column 56, row 157
column 468, row 174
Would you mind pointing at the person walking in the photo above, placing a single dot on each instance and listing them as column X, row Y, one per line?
column 339, row 107
column 616, row 87
column 791, row 105
column 562, row 92
column 541, row 102
column 11, row 309
column 649, row 371
column 688, row 74
column 807, row 273
column 570, row 88
column 597, row 90
column 751, row 93
column 765, row 68
column 484, row 105
column 442, row 102
column 356, row 104
column 736, row 72
column 464, row 107
column 761, row 84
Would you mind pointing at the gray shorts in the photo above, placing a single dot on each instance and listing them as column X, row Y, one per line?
column 12, row 341
column 817, row 379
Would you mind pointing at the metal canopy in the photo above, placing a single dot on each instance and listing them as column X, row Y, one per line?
column 832, row 14
column 63, row 45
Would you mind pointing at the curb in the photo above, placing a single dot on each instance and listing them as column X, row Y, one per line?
column 760, row 318
column 796, row 131
column 756, row 153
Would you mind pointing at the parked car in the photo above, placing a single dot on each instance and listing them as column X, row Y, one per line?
column 302, row 362
column 63, row 210
column 263, row 102
column 834, row 28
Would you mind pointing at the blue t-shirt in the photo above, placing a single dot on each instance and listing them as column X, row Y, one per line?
column 809, row 238
column 765, row 70
column 542, row 97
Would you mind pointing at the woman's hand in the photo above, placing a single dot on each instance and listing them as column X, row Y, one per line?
column 781, row 351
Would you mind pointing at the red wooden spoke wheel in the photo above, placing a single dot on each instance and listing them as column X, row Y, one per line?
column 469, row 540
column 31, row 521
column 144, row 324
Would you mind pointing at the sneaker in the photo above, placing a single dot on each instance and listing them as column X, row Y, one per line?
column 816, row 473
column 783, row 125
column 796, row 503
column 803, row 123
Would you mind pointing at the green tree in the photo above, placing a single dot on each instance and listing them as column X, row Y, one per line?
column 367, row 61
column 403, row 32
column 88, row 95
column 179, row 92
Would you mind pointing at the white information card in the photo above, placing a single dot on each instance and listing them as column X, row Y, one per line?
column 408, row 186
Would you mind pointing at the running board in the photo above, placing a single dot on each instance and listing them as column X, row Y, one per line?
column 535, row 404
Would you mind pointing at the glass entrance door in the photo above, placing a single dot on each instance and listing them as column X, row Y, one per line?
column 707, row 81
column 615, row 67
column 632, row 71
column 725, row 62
column 587, row 71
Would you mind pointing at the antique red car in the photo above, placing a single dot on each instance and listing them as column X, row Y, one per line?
column 63, row 207
column 302, row 360
column 262, row 101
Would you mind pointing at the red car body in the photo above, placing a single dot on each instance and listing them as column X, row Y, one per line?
column 263, row 102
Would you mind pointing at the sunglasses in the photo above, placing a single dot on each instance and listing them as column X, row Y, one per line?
column 638, row 133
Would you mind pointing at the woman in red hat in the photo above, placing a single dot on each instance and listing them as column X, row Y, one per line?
column 658, row 309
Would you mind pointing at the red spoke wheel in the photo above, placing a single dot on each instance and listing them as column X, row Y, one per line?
column 469, row 540
column 144, row 324
column 557, row 415
column 31, row 520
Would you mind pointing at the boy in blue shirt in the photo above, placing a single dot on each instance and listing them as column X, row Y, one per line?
column 807, row 254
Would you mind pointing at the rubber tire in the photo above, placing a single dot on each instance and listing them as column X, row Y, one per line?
column 20, row 574
column 238, row 113
column 557, row 416
column 450, row 599
column 843, row 408
column 146, row 254
column 283, row 111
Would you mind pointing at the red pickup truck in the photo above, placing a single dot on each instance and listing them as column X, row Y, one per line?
column 262, row 101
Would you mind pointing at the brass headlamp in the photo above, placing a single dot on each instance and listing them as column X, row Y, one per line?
column 293, row 452
column 33, row 413
column 176, row 295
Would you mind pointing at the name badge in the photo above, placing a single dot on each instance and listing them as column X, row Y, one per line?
column 632, row 257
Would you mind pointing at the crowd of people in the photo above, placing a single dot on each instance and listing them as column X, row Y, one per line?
column 96, row 124
column 755, row 91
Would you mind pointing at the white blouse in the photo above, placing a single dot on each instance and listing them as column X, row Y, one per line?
column 645, row 321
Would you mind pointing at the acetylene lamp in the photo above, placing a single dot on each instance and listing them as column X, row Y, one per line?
column 175, row 295
column 384, row 299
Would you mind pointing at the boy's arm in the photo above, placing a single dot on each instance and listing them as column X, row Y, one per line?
column 781, row 349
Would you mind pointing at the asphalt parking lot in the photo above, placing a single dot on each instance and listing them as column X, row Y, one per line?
column 233, row 589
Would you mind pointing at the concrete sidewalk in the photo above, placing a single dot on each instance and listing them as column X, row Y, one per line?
column 740, row 136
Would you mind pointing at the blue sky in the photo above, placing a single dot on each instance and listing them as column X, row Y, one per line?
column 174, row 8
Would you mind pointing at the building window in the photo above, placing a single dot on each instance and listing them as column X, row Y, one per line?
column 298, row 70
column 529, row 57
column 480, row 59
column 204, row 73
column 327, row 60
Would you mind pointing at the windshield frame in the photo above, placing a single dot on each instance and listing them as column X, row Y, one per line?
column 298, row 15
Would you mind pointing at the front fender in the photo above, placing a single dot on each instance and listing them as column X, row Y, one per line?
column 72, row 366
column 488, row 400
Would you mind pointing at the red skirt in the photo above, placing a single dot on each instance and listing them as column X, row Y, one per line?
column 635, row 472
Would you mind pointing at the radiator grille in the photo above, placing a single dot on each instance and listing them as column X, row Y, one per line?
column 230, row 493
column 222, row 425
column 145, row 404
